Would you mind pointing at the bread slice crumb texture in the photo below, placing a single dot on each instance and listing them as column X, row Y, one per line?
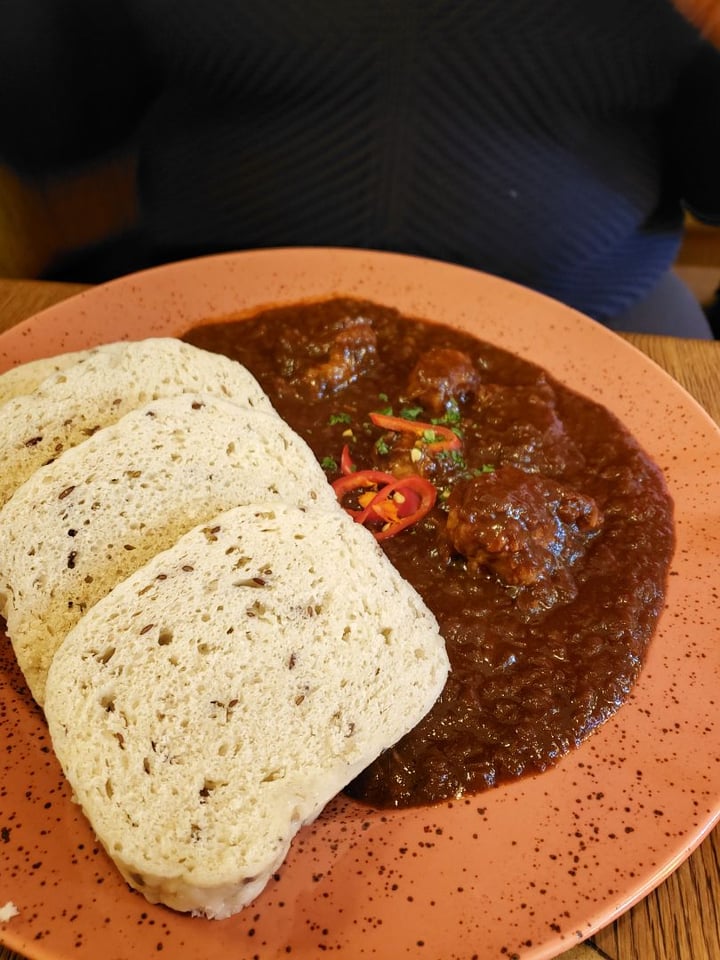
column 81, row 524
column 76, row 401
column 215, row 700
column 26, row 377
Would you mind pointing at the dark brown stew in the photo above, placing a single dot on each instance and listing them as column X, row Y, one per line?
column 544, row 558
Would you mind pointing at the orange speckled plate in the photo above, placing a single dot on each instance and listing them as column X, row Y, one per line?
column 527, row 869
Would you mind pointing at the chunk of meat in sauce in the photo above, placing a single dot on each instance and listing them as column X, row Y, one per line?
column 521, row 425
column 351, row 350
column 521, row 526
column 442, row 378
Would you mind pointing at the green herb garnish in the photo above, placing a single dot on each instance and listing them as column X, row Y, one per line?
column 339, row 418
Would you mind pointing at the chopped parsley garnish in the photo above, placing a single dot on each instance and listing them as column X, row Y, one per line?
column 411, row 413
column 451, row 416
column 339, row 418
column 454, row 456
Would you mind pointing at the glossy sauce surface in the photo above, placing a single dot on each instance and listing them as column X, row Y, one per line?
column 544, row 558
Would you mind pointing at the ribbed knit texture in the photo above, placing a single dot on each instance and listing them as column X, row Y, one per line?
column 529, row 138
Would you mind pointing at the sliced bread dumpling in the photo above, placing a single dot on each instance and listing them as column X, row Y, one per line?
column 26, row 377
column 101, row 509
column 73, row 403
column 212, row 703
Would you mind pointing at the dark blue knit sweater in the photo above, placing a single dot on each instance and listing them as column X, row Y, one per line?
column 553, row 142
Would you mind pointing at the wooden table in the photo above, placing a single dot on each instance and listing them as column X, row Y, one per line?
column 680, row 920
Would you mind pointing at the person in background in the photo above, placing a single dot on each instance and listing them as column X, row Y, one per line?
column 556, row 143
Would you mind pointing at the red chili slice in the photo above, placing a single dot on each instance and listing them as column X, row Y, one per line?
column 450, row 440
column 418, row 494
column 370, row 480
column 346, row 464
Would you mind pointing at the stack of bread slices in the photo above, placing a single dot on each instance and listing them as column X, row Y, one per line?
column 217, row 647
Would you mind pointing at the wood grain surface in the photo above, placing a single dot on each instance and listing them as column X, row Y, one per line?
column 680, row 920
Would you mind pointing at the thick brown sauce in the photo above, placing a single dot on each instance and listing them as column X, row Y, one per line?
column 550, row 587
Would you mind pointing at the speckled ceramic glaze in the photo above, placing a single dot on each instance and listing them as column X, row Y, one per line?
column 521, row 871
